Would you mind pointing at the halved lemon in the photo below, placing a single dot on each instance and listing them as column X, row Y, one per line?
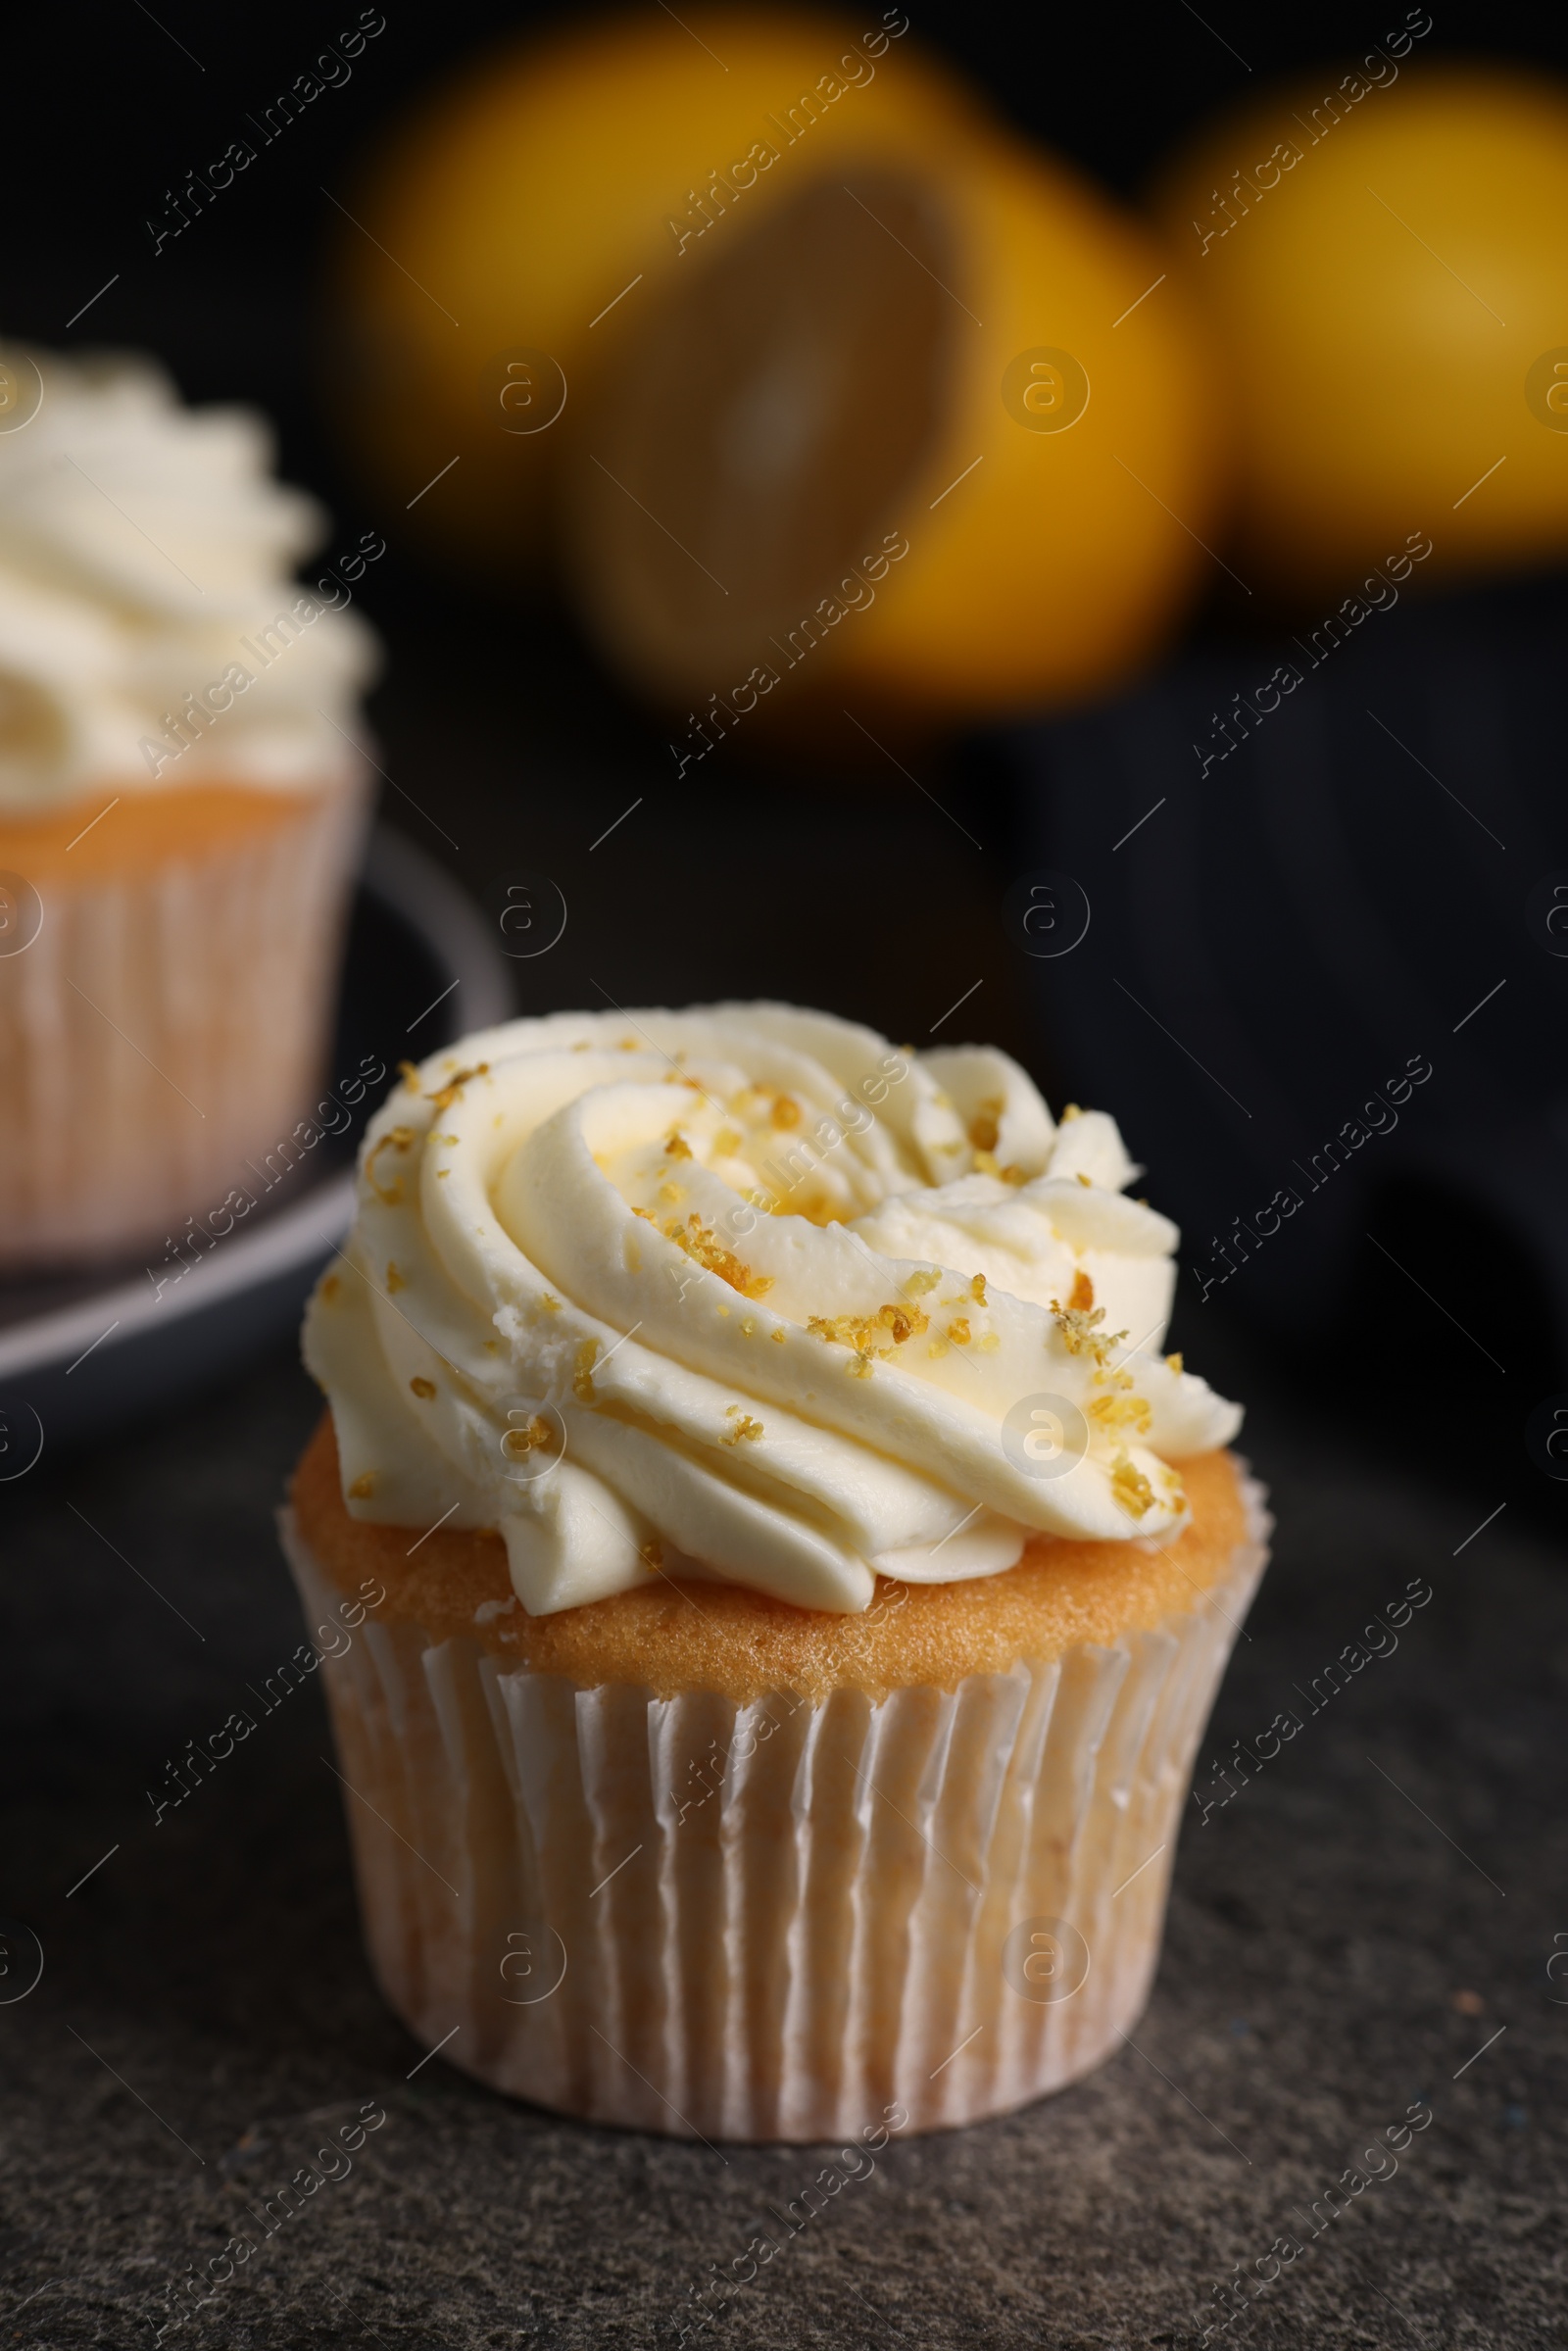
column 523, row 224
column 933, row 438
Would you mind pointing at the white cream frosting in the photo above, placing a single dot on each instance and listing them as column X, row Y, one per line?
column 143, row 546
column 745, row 1293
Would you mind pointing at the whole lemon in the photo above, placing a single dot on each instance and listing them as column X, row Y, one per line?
column 931, row 440
column 1383, row 260
column 511, row 235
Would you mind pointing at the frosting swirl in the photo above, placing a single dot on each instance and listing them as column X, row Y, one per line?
column 744, row 1292
column 143, row 546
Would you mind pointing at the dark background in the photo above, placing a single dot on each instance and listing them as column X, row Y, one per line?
column 512, row 749
column 1333, row 1953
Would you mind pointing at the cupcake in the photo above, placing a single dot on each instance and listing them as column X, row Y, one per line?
column 180, row 805
column 770, row 1583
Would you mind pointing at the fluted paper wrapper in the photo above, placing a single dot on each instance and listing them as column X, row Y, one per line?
column 771, row 1921
column 165, row 1029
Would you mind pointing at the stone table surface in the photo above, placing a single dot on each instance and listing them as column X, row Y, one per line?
column 1367, row 1925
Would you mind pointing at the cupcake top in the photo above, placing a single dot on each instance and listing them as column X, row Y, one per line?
column 150, row 628
column 747, row 1293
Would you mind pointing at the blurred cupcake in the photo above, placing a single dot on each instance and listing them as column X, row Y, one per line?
column 770, row 1636
column 180, row 804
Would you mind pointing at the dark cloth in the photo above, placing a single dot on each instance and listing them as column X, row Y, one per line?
column 1326, row 969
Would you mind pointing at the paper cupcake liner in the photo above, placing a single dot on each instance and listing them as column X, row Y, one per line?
column 773, row 1920
column 163, row 1030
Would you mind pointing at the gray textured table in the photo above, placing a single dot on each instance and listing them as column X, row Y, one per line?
column 1363, row 1918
